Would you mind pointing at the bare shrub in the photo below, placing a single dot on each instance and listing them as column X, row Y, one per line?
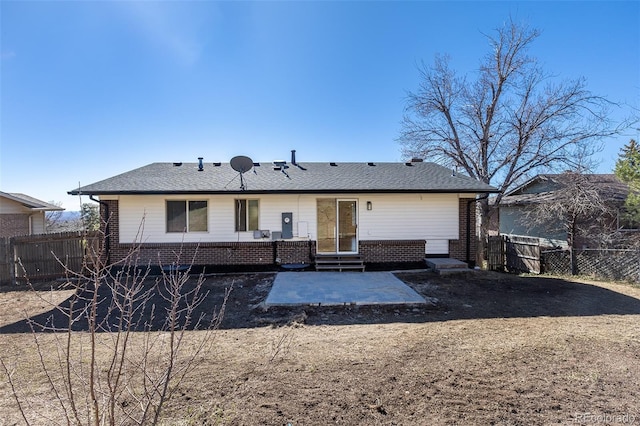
column 119, row 347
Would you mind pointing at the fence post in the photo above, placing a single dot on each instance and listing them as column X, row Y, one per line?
column 7, row 261
column 11, row 257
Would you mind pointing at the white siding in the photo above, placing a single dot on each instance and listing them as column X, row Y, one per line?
column 221, row 220
column 37, row 223
column 12, row 207
column 428, row 216
column 433, row 217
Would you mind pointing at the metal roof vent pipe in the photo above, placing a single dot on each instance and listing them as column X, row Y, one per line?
column 200, row 165
column 293, row 157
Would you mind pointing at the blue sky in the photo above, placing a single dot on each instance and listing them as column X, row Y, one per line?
column 91, row 89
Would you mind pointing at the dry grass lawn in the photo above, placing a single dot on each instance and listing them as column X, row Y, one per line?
column 495, row 349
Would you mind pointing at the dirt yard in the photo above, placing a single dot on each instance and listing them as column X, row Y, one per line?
column 489, row 349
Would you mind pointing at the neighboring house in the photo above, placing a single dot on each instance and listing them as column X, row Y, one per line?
column 22, row 215
column 286, row 213
column 545, row 189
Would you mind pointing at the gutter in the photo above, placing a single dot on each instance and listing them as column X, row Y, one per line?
column 107, row 228
column 294, row 191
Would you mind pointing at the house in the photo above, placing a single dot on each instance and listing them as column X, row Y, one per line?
column 22, row 215
column 246, row 213
column 595, row 229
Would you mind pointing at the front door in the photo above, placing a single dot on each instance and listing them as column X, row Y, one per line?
column 337, row 225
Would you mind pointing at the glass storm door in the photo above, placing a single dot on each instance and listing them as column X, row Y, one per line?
column 347, row 226
column 337, row 226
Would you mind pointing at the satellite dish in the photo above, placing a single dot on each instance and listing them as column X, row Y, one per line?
column 241, row 164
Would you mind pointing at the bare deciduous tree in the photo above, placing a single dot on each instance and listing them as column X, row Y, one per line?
column 581, row 206
column 53, row 220
column 512, row 121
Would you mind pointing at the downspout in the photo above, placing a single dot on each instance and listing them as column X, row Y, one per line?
column 107, row 228
column 473, row 200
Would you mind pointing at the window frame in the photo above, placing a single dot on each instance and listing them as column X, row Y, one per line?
column 190, row 218
column 246, row 223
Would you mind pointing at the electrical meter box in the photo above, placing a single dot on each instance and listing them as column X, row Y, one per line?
column 287, row 225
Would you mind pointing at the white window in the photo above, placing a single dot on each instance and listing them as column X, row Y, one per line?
column 186, row 216
column 247, row 213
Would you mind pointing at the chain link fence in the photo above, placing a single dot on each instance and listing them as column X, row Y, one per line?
column 608, row 264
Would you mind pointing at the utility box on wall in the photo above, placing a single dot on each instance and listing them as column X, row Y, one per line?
column 287, row 225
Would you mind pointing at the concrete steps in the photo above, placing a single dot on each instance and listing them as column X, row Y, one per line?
column 444, row 266
column 339, row 262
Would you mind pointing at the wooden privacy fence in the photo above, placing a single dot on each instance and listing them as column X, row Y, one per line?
column 513, row 254
column 46, row 256
column 525, row 254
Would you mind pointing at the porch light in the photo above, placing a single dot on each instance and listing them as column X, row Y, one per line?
column 369, row 205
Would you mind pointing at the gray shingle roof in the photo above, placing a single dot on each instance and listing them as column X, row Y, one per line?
column 610, row 188
column 30, row 202
column 164, row 178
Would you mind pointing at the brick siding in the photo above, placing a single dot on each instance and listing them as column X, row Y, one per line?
column 458, row 248
column 232, row 253
column 294, row 251
column 392, row 251
column 14, row 224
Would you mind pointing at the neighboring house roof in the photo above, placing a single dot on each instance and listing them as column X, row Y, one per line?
column 185, row 178
column 30, row 202
column 542, row 188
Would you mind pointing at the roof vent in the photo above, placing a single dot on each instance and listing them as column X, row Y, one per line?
column 416, row 160
column 371, row 164
column 333, row 164
column 200, row 165
column 217, row 164
column 293, row 157
column 410, row 164
column 177, row 164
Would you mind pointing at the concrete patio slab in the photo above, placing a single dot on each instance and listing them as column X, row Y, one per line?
column 340, row 288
